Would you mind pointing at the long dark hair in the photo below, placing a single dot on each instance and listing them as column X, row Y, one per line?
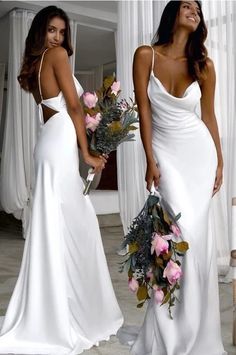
column 35, row 44
column 195, row 50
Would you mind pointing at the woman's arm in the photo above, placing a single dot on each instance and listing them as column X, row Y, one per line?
column 141, row 72
column 209, row 118
column 63, row 74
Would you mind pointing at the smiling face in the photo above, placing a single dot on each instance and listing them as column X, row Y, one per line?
column 189, row 15
column 55, row 32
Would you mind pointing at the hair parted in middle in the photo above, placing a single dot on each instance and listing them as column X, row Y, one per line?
column 35, row 43
column 195, row 50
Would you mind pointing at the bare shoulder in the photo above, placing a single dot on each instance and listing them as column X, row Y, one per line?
column 210, row 67
column 209, row 63
column 143, row 52
column 208, row 82
column 143, row 58
column 57, row 54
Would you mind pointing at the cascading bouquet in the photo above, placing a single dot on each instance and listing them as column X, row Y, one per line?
column 108, row 120
column 154, row 248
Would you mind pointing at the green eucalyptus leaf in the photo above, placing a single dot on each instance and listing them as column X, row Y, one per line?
column 166, row 298
column 177, row 217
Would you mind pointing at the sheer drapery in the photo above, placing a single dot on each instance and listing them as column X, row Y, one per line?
column 135, row 28
column 221, row 23
column 22, row 125
column 2, row 77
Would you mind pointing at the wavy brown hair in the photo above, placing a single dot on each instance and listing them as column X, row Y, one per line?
column 35, row 44
column 195, row 50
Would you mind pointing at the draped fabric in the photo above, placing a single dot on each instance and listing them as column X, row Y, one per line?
column 2, row 77
column 22, row 125
column 137, row 23
column 221, row 23
column 135, row 27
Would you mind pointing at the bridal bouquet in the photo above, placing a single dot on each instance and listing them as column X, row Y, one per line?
column 154, row 250
column 109, row 121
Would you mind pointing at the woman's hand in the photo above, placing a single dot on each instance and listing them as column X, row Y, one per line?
column 152, row 175
column 96, row 162
column 218, row 179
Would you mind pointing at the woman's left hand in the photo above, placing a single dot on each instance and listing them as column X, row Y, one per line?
column 218, row 180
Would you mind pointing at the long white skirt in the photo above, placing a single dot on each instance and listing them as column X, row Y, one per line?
column 63, row 301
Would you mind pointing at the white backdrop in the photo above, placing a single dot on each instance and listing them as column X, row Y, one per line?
column 221, row 23
column 135, row 26
column 2, row 77
column 20, row 127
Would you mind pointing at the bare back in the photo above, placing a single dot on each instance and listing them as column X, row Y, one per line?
column 47, row 82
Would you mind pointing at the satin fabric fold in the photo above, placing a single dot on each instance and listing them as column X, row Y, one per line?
column 185, row 152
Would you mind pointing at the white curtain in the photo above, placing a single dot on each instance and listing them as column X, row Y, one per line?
column 2, row 77
column 135, row 27
column 21, row 127
column 137, row 22
column 221, row 23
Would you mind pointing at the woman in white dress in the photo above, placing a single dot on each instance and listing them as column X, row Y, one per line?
column 171, row 79
column 63, row 301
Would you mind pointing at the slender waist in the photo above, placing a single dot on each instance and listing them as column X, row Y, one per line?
column 60, row 111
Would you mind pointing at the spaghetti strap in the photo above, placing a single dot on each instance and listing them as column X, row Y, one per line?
column 153, row 54
column 39, row 74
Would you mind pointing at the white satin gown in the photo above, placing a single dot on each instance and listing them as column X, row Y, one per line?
column 63, row 301
column 186, row 154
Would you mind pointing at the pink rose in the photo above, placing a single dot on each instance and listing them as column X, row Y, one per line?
column 175, row 229
column 173, row 272
column 167, row 236
column 159, row 245
column 149, row 274
column 133, row 284
column 90, row 99
column 91, row 122
column 158, row 294
column 115, row 87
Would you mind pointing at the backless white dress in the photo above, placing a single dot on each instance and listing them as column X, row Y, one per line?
column 63, row 301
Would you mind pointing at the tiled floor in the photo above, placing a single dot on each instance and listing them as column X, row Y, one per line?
column 11, row 246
